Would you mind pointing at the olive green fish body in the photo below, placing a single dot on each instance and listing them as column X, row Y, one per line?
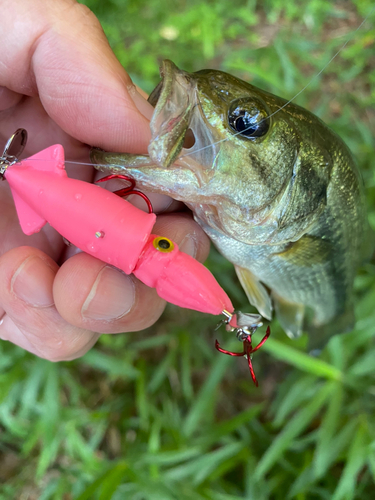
column 274, row 188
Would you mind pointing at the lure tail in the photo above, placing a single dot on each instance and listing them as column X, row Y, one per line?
column 50, row 161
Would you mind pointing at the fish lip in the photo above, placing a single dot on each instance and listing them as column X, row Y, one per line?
column 167, row 70
column 174, row 99
column 177, row 109
column 155, row 94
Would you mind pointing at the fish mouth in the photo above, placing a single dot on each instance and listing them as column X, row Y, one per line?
column 172, row 99
column 178, row 124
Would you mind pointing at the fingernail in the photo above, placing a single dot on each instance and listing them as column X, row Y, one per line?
column 111, row 296
column 33, row 281
column 189, row 245
column 140, row 102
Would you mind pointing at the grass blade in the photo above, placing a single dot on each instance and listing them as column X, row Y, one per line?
column 293, row 429
column 357, row 457
column 301, row 360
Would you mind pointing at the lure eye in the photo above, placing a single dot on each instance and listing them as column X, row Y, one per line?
column 163, row 244
column 248, row 118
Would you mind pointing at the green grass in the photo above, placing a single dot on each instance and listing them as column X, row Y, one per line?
column 161, row 415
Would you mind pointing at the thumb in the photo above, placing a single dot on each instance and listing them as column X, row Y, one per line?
column 63, row 56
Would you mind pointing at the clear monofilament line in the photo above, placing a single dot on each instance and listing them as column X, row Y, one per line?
column 72, row 162
column 353, row 33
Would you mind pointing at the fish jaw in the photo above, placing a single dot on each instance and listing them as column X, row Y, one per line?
column 177, row 183
column 177, row 109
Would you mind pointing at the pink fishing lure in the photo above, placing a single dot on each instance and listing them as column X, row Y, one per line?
column 109, row 228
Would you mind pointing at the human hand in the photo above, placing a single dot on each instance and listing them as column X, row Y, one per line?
column 61, row 81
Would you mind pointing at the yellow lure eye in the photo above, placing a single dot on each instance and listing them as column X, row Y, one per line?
column 163, row 244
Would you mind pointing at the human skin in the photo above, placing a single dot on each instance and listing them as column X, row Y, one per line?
column 60, row 80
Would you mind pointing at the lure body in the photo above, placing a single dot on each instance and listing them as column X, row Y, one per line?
column 109, row 228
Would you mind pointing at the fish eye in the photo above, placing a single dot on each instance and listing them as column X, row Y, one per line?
column 248, row 118
column 163, row 244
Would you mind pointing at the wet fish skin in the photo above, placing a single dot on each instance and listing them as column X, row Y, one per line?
column 286, row 207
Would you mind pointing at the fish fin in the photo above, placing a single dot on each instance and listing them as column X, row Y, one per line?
column 290, row 315
column 30, row 221
column 255, row 291
column 307, row 251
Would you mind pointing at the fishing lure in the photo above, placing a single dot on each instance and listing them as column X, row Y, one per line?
column 109, row 228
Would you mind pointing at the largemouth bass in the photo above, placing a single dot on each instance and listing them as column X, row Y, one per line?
column 274, row 188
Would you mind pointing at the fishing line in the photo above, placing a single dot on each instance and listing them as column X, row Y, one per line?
column 72, row 162
column 295, row 96
column 83, row 163
column 351, row 36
